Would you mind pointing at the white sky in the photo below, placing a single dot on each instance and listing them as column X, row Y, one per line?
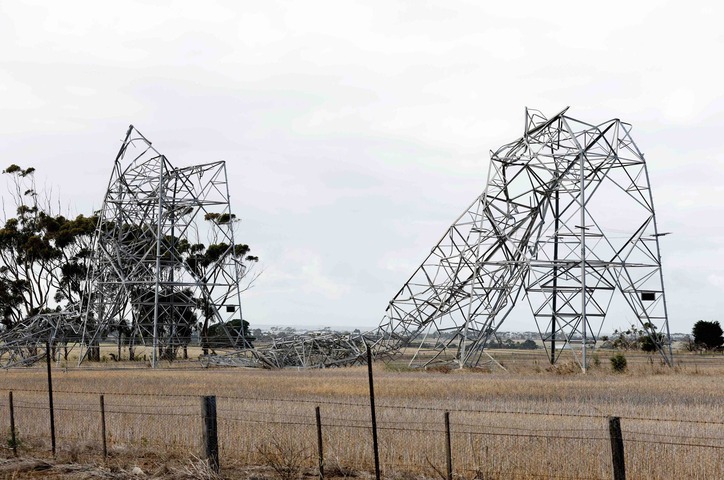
column 356, row 132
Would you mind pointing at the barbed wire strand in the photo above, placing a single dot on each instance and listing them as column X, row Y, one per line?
column 356, row 404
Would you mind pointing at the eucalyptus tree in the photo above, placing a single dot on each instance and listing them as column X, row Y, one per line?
column 42, row 253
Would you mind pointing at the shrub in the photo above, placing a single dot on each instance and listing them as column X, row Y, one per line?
column 618, row 363
column 9, row 439
column 285, row 456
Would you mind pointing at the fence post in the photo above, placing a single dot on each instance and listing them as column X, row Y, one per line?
column 320, row 447
column 50, row 398
column 13, row 438
column 372, row 407
column 210, row 438
column 619, row 464
column 448, row 450
column 103, row 427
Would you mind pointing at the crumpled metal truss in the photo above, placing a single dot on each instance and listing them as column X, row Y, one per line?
column 26, row 343
column 566, row 220
column 137, row 275
column 304, row 351
column 316, row 350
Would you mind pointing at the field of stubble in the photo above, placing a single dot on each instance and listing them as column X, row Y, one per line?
column 532, row 421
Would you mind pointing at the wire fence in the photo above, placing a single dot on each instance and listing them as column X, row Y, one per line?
column 282, row 433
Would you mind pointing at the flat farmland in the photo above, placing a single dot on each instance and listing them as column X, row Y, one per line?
column 530, row 421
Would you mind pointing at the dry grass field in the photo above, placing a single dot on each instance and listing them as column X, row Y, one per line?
column 532, row 421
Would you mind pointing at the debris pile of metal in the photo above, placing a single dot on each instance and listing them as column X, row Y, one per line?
column 25, row 343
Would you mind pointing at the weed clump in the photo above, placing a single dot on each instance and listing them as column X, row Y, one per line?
column 13, row 441
column 618, row 363
column 285, row 456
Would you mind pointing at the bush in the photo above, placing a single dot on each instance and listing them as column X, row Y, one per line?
column 596, row 360
column 618, row 363
column 9, row 440
column 285, row 456
column 649, row 344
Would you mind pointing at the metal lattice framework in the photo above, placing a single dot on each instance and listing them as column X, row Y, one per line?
column 25, row 344
column 145, row 272
column 315, row 350
column 566, row 220
column 163, row 259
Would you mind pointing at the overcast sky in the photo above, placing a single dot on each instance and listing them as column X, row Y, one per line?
column 356, row 132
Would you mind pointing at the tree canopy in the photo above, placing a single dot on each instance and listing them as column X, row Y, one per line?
column 42, row 254
column 708, row 335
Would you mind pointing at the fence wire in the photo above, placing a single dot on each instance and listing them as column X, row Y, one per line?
column 260, row 430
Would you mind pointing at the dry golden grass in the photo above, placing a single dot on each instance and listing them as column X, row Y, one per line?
column 533, row 421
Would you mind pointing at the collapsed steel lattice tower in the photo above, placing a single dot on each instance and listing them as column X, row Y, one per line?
column 147, row 273
column 566, row 220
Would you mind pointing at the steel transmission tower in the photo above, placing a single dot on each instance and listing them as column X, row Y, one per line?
column 566, row 221
column 163, row 255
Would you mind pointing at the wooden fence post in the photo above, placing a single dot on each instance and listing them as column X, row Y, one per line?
column 374, row 416
column 210, row 438
column 103, row 428
column 320, row 446
column 13, row 438
column 619, row 463
column 50, row 398
column 448, row 449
